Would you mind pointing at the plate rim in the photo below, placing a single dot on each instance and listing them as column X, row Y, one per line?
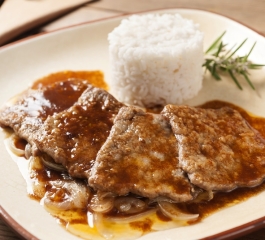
column 15, row 226
column 239, row 231
column 228, row 234
column 124, row 15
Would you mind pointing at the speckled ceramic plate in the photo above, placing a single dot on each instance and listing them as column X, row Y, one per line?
column 85, row 47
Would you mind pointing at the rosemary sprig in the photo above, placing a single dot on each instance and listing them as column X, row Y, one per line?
column 218, row 58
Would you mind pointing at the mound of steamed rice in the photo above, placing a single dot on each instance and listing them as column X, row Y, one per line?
column 155, row 59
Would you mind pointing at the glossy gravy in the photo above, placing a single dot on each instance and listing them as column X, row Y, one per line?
column 77, row 221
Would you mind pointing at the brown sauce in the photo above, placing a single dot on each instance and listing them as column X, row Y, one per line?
column 162, row 217
column 20, row 143
column 255, row 121
column 61, row 90
column 204, row 209
column 225, row 199
column 222, row 200
column 95, row 78
column 144, row 226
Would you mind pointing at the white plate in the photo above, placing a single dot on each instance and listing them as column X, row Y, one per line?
column 85, row 47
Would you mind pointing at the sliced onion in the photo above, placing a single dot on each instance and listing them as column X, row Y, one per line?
column 204, row 196
column 103, row 230
column 11, row 144
column 160, row 225
column 83, row 233
column 89, row 234
column 103, row 194
column 34, row 165
column 28, row 151
column 101, row 205
column 66, row 195
column 49, row 162
column 161, row 199
column 35, row 187
column 132, row 218
column 171, row 210
column 129, row 205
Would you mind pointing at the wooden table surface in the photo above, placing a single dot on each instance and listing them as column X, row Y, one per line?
column 248, row 12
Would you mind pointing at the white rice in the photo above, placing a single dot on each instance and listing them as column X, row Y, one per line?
column 156, row 59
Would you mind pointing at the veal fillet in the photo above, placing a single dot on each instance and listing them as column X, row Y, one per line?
column 141, row 156
column 26, row 112
column 218, row 149
column 74, row 136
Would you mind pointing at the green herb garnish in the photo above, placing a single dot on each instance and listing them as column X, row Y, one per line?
column 218, row 58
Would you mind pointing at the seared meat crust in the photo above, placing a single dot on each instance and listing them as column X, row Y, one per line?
column 74, row 136
column 217, row 147
column 140, row 156
column 26, row 112
column 153, row 155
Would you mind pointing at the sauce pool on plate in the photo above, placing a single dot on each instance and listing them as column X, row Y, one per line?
column 81, row 221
